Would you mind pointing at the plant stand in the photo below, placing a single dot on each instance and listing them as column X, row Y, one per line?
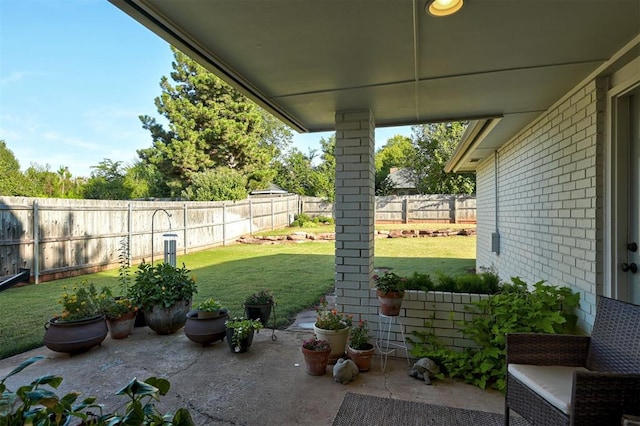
column 384, row 344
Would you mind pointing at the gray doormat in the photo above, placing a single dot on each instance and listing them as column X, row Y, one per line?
column 371, row 410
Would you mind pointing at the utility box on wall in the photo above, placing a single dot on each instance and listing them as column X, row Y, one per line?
column 495, row 242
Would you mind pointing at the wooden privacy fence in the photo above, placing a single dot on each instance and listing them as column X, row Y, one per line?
column 408, row 208
column 63, row 237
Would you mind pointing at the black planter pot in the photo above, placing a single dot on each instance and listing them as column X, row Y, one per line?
column 261, row 312
column 244, row 343
column 75, row 336
column 205, row 330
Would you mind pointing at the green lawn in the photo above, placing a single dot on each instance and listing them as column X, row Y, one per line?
column 297, row 274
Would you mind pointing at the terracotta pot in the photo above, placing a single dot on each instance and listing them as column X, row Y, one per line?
column 122, row 327
column 362, row 357
column 261, row 312
column 390, row 302
column 75, row 336
column 316, row 361
column 167, row 320
column 205, row 330
column 244, row 343
column 337, row 339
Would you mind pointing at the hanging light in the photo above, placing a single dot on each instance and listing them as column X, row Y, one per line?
column 443, row 7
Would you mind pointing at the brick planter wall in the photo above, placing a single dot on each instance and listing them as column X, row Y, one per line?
column 442, row 310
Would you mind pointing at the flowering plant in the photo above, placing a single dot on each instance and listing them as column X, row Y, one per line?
column 315, row 344
column 359, row 336
column 162, row 284
column 331, row 319
column 390, row 282
column 83, row 301
column 115, row 307
column 242, row 327
column 263, row 297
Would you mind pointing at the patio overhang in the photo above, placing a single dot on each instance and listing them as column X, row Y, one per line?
column 499, row 63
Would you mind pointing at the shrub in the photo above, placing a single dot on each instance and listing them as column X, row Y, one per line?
column 544, row 309
column 487, row 282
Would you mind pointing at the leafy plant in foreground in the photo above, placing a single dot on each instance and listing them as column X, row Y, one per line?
column 35, row 404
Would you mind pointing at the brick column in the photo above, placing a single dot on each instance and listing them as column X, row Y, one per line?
column 354, row 210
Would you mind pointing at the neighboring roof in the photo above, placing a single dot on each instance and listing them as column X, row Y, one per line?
column 305, row 60
column 271, row 189
column 401, row 179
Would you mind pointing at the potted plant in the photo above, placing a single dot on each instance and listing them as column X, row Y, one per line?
column 208, row 308
column 120, row 312
column 316, row 355
column 206, row 323
column 259, row 305
column 333, row 327
column 164, row 292
column 359, row 349
column 390, row 292
column 240, row 333
column 81, row 325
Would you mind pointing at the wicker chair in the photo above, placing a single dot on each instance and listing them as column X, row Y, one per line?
column 605, row 378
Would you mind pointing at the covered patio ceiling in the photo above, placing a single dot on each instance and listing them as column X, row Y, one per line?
column 303, row 60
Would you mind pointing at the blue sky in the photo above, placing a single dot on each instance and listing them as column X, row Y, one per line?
column 74, row 77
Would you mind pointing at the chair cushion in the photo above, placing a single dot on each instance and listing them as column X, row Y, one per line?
column 551, row 382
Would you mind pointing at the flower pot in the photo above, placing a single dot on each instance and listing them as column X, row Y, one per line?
column 122, row 327
column 261, row 312
column 244, row 343
column 362, row 357
column 390, row 302
column 75, row 336
column 336, row 338
column 167, row 320
column 206, row 314
column 205, row 330
column 316, row 361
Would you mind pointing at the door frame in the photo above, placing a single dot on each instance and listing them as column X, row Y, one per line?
column 622, row 84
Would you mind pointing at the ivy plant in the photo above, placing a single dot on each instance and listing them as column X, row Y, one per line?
column 544, row 309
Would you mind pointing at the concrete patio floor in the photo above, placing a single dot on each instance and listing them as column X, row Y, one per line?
column 266, row 386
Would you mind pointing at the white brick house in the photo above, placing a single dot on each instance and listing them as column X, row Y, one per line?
column 552, row 94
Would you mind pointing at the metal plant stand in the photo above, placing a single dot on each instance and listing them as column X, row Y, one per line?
column 384, row 345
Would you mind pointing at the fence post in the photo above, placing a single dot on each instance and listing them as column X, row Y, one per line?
column 405, row 210
column 129, row 233
column 36, row 243
column 250, row 216
column 272, row 216
column 454, row 207
column 224, row 224
column 184, row 226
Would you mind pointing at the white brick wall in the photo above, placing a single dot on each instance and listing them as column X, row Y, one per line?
column 354, row 212
column 443, row 312
column 549, row 218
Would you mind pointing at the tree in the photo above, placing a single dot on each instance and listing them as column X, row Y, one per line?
column 325, row 176
column 107, row 182
column 210, row 125
column 435, row 144
column 297, row 174
column 12, row 181
column 396, row 153
column 43, row 182
column 294, row 172
column 143, row 180
column 222, row 183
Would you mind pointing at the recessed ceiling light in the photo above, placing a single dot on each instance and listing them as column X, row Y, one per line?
column 443, row 7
